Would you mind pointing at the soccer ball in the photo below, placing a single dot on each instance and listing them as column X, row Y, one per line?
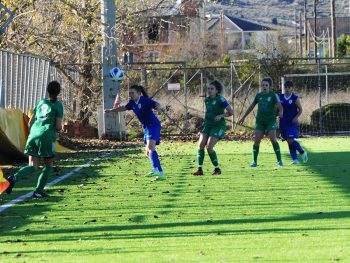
column 116, row 74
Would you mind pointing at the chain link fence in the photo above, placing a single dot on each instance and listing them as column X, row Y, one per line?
column 322, row 85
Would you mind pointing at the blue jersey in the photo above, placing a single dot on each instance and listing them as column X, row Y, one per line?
column 290, row 109
column 143, row 110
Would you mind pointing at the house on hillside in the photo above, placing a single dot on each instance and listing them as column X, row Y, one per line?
column 160, row 32
column 186, row 20
column 237, row 34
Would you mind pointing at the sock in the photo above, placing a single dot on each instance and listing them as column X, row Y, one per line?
column 276, row 147
column 200, row 157
column 44, row 175
column 153, row 155
column 292, row 151
column 24, row 171
column 298, row 147
column 255, row 153
column 213, row 158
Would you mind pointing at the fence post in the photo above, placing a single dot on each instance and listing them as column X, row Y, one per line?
column 232, row 95
column 2, row 93
column 327, row 92
column 320, row 92
column 202, row 91
column 186, row 99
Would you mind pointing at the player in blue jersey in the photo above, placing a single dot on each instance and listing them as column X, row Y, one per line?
column 289, row 122
column 143, row 107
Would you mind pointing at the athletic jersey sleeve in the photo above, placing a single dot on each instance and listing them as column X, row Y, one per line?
column 224, row 102
column 150, row 103
column 277, row 99
column 60, row 110
column 129, row 105
column 256, row 99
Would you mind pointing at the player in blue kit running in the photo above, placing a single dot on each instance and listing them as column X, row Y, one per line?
column 289, row 122
column 143, row 107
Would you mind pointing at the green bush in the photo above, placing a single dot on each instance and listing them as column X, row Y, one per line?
column 335, row 117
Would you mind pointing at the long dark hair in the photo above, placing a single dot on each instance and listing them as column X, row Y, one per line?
column 140, row 89
column 218, row 85
column 53, row 88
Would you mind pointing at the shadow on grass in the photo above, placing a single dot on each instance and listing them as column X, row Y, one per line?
column 332, row 166
column 211, row 227
column 21, row 214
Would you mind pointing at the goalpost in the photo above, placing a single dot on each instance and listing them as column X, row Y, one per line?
column 325, row 98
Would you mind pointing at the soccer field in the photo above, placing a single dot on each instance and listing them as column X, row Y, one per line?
column 110, row 212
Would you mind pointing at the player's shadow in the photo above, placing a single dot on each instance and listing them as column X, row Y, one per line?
column 332, row 166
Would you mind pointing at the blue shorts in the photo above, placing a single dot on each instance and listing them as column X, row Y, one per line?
column 289, row 132
column 152, row 133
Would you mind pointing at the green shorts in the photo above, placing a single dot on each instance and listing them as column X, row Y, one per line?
column 214, row 131
column 40, row 147
column 266, row 126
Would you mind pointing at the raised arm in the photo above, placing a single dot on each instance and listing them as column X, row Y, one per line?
column 118, row 109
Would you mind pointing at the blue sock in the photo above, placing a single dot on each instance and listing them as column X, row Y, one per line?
column 297, row 147
column 293, row 151
column 155, row 160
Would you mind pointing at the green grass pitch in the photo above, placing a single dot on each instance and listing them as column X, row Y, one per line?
column 110, row 212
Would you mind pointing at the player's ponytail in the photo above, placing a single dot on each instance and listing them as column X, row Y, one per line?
column 143, row 91
column 53, row 89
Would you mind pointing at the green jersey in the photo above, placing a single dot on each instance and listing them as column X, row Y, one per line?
column 266, row 106
column 46, row 113
column 215, row 106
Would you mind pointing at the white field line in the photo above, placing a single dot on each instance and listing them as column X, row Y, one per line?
column 59, row 179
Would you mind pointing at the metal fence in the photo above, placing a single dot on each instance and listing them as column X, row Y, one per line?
column 24, row 78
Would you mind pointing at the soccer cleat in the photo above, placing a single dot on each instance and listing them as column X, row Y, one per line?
column 304, row 156
column 217, row 171
column 12, row 180
column 296, row 161
column 153, row 173
column 279, row 164
column 253, row 164
column 159, row 178
column 199, row 172
column 39, row 195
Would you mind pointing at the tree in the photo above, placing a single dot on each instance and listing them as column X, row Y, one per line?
column 343, row 46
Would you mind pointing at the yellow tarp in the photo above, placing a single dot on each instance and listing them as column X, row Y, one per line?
column 14, row 134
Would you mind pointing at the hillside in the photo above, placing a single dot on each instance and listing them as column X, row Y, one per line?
column 264, row 11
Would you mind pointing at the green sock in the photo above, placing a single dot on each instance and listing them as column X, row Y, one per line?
column 43, row 179
column 24, row 171
column 200, row 157
column 276, row 147
column 214, row 158
column 255, row 153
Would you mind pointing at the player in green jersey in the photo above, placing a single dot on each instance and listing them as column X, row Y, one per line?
column 214, row 126
column 45, row 121
column 268, row 103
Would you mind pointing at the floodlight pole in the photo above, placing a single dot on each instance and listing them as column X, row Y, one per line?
column 109, row 126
